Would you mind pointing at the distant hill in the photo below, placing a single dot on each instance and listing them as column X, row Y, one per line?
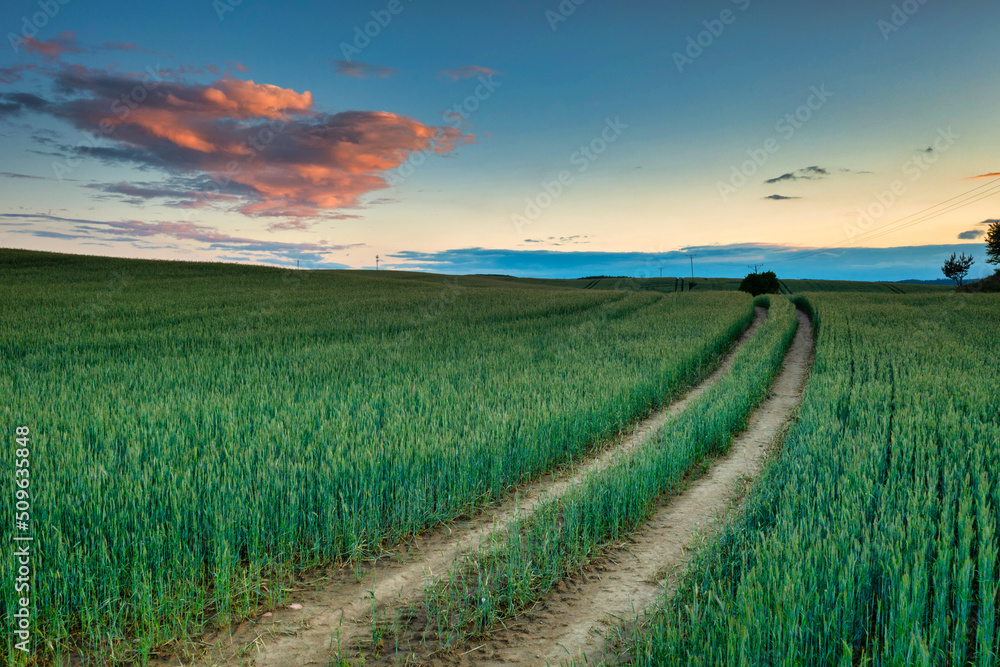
column 939, row 281
column 15, row 264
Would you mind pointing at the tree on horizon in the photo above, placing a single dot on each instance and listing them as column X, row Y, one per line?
column 957, row 267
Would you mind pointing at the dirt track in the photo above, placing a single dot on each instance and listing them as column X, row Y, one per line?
column 574, row 619
column 336, row 609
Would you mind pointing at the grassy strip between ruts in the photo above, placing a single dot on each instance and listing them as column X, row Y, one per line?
column 504, row 578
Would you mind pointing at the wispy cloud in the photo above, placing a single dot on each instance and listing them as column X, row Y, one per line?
column 289, row 225
column 972, row 234
column 41, row 233
column 64, row 42
column 360, row 70
column 15, row 72
column 213, row 239
column 780, row 197
column 993, row 175
column 11, row 174
column 15, row 104
column 177, row 192
column 575, row 239
column 466, row 72
column 808, row 173
column 125, row 46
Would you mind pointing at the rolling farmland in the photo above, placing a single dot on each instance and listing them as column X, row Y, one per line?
column 451, row 334
column 236, row 465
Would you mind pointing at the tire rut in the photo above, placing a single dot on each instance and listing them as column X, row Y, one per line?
column 575, row 619
column 335, row 613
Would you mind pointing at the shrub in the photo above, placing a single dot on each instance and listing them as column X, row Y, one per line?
column 761, row 283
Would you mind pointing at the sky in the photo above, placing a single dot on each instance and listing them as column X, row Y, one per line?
column 853, row 140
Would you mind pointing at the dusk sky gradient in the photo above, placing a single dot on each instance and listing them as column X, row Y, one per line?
column 854, row 140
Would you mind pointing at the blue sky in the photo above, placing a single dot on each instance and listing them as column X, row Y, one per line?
column 603, row 136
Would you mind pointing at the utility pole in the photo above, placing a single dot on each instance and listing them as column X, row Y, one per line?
column 661, row 271
column 691, row 257
column 376, row 262
column 297, row 264
column 755, row 267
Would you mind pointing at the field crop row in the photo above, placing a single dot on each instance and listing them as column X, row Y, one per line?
column 873, row 538
column 202, row 432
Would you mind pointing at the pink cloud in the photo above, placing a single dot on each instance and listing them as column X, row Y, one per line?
column 993, row 175
column 64, row 42
column 286, row 225
column 288, row 158
column 466, row 72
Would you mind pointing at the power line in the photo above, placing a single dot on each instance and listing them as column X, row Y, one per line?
column 978, row 187
column 931, row 216
column 878, row 232
column 966, row 198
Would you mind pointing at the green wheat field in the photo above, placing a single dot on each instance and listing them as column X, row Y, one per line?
column 203, row 434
